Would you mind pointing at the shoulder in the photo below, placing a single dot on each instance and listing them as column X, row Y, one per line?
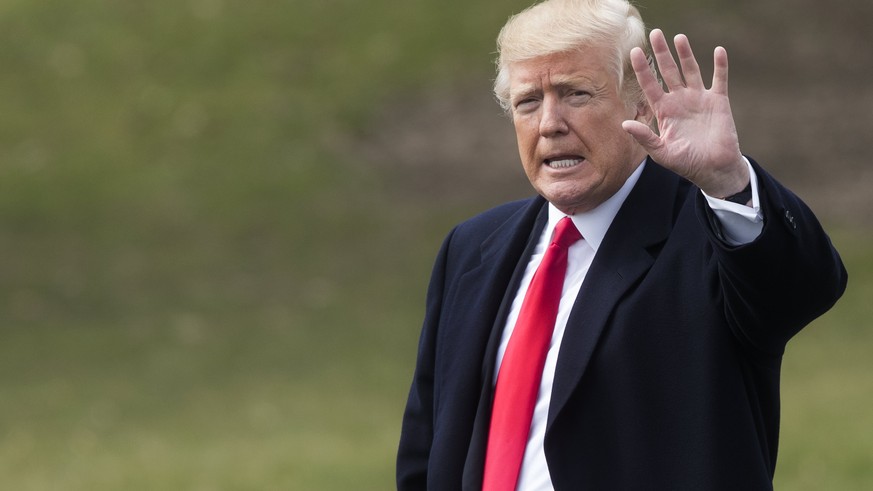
column 497, row 216
column 515, row 214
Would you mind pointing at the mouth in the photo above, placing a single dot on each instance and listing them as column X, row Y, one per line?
column 563, row 161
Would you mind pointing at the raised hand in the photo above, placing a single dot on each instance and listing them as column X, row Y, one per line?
column 697, row 137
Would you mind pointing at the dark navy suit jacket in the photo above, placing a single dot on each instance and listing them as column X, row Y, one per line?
column 668, row 373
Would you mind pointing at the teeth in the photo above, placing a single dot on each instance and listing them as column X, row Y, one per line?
column 563, row 164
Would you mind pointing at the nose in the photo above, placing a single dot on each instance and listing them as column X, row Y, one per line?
column 552, row 121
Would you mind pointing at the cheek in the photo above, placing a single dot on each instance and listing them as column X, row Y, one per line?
column 614, row 139
column 526, row 137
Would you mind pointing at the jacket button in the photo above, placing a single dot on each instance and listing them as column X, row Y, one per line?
column 790, row 219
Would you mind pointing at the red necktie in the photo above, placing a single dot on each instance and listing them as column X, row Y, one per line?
column 521, row 371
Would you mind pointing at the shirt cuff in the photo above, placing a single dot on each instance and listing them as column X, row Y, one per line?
column 740, row 224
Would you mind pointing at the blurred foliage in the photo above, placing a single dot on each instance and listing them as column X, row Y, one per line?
column 205, row 287
column 200, row 291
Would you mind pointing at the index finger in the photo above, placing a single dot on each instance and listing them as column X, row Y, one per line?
column 649, row 84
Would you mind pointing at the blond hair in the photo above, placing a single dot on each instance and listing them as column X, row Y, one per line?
column 557, row 26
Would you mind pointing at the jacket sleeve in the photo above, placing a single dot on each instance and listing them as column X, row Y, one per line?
column 416, row 435
column 780, row 282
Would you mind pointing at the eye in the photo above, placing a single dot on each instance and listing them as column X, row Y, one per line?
column 579, row 96
column 526, row 104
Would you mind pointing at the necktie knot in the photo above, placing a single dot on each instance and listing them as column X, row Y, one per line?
column 566, row 233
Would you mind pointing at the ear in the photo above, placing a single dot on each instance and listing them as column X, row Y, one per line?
column 645, row 114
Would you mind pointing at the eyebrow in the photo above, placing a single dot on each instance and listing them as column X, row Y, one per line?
column 523, row 91
column 557, row 81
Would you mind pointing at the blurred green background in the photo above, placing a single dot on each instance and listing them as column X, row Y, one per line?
column 217, row 219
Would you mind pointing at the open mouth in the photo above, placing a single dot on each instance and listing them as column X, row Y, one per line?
column 563, row 162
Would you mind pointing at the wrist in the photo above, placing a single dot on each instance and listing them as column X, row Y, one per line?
column 733, row 184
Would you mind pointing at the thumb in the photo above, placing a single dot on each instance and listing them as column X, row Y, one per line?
column 642, row 134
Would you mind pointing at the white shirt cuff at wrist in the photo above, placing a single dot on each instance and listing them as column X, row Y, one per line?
column 740, row 224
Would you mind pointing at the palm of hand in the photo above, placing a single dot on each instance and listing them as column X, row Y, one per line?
column 697, row 137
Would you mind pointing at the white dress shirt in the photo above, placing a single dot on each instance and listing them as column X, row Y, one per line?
column 740, row 224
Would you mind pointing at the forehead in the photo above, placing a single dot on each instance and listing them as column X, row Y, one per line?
column 592, row 64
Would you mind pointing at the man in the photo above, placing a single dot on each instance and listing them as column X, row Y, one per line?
column 624, row 329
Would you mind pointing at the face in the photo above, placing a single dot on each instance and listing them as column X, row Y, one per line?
column 567, row 113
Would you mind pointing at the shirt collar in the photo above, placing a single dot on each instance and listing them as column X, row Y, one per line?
column 593, row 224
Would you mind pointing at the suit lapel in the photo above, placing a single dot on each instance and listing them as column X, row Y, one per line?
column 480, row 290
column 475, row 463
column 644, row 221
column 519, row 267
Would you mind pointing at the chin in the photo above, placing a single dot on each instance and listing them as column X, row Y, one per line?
column 562, row 196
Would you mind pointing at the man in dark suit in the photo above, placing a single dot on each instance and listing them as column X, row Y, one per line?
column 637, row 343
